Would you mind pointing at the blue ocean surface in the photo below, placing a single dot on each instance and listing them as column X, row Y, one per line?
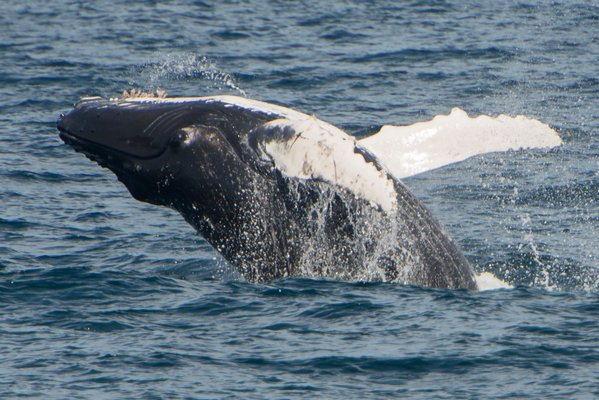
column 104, row 297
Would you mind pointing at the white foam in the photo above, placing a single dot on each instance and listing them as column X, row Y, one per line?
column 321, row 151
column 446, row 139
column 488, row 281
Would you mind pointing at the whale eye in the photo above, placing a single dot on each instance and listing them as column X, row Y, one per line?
column 178, row 138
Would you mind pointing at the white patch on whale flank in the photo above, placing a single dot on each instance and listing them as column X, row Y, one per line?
column 318, row 151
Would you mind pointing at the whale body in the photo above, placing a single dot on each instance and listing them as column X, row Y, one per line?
column 277, row 192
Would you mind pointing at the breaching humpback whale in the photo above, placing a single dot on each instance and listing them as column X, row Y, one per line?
column 277, row 192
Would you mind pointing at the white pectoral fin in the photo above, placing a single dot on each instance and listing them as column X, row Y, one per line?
column 446, row 139
column 311, row 149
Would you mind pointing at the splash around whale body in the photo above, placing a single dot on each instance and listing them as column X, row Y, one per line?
column 280, row 193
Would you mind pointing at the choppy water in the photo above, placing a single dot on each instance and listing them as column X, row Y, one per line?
column 105, row 297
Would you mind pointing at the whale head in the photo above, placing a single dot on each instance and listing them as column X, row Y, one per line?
column 162, row 150
column 192, row 155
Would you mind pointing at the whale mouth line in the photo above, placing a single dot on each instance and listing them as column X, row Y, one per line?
column 89, row 147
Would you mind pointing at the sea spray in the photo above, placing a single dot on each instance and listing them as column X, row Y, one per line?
column 187, row 67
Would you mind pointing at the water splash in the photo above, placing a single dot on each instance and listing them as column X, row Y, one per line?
column 187, row 67
column 529, row 250
column 373, row 245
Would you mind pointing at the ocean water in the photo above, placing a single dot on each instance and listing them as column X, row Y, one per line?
column 105, row 297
